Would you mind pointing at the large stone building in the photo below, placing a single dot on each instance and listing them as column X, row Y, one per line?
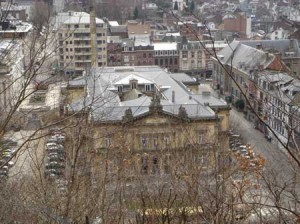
column 74, row 41
column 148, row 117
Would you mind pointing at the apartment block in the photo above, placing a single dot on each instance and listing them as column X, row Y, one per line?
column 74, row 40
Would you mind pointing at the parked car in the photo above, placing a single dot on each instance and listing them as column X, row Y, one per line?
column 56, row 159
column 50, row 144
column 3, row 172
column 51, row 139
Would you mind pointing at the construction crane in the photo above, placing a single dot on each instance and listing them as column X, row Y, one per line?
column 93, row 33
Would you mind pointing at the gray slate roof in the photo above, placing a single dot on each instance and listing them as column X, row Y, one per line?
column 238, row 53
column 281, row 46
column 106, row 106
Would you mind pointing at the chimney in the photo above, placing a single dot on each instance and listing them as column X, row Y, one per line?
column 259, row 46
column 173, row 96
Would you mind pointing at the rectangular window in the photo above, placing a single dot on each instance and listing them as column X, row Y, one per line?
column 200, row 139
column 147, row 88
column 144, row 142
column 106, row 142
column 167, row 140
column 144, row 161
column 155, row 165
column 120, row 89
column 155, row 142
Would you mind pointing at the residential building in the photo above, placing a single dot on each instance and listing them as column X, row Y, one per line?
column 287, row 50
column 195, row 56
column 114, row 51
column 74, row 40
column 148, row 118
column 191, row 30
column 128, row 52
column 166, row 55
column 15, row 29
column 120, row 30
column 144, row 50
column 134, row 28
column 279, row 94
column 234, row 73
column 239, row 23
column 11, row 73
column 14, row 10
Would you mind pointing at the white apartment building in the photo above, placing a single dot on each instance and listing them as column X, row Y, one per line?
column 11, row 73
column 74, row 41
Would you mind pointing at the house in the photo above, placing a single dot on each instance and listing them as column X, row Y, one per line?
column 144, row 118
column 286, row 49
column 14, row 10
column 280, row 93
column 144, row 50
column 166, row 55
column 12, row 28
column 114, row 51
column 239, row 23
column 234, row 72
column 195, row 56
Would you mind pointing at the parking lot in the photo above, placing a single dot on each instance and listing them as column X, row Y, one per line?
column 55, row 158
column 244, row 154
column 8, row 150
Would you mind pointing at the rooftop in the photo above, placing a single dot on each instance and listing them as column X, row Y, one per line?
column 80, row 18
column 107, row 106
column 164, row 46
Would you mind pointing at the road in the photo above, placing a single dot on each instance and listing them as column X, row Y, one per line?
column 279, row 172
column 276, row 159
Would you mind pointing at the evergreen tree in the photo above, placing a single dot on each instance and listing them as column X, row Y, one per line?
column 135, row 13
column 176, row 6
column 192, row 6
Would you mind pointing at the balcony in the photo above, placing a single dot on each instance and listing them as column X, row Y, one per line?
column 83, row 53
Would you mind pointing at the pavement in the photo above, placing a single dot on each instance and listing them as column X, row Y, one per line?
column 276, row 159
column 29, row 158
column 280, row 175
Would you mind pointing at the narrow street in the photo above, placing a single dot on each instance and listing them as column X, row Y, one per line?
column 276, row 159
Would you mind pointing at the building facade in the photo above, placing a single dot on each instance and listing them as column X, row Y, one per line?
column 166, row 56
column 151, row 120
column 74, row 41
column 11, row 73
column 195, row 57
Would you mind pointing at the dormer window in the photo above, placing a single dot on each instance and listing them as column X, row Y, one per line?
column 147, row 88
column 120, row 89
column 133, row 84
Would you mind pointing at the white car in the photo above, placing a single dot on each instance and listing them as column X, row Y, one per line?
column 51, row 144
